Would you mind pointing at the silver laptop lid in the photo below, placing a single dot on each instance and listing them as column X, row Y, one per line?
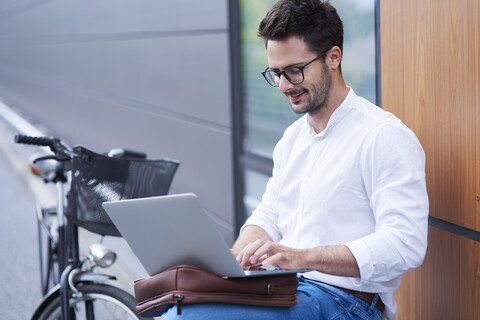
column 166, row 231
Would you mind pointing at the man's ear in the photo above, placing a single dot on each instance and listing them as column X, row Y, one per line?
column 334, row 57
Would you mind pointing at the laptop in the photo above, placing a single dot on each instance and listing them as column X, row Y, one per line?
column 167, row 231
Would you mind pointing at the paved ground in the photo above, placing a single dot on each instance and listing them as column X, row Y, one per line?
column 19, row 276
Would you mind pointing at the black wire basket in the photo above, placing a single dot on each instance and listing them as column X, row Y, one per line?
column 97, row 178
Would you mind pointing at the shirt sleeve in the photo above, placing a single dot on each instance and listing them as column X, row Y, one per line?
column 266, row 213
column 394, row 175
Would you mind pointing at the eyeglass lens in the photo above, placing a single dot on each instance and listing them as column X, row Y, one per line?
column 293, row 74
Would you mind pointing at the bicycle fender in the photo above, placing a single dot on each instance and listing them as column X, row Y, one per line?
column 93, row 277
column 51, row 295
column 90, row 277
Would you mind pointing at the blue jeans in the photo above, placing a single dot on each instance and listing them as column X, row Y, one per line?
column 314, row 301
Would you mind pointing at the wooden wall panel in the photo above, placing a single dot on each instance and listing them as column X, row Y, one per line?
column 447, row 286
column 430, row 57
column 431, row 79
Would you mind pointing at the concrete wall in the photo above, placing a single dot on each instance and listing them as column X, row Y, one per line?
column 151, row 75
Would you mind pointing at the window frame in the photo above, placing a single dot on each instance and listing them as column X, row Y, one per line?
column 243, row 159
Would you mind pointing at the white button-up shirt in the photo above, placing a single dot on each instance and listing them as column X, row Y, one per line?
column 361, row 183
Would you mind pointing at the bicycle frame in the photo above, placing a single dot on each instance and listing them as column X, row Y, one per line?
column 67, row 246
column 69, row 263
column 61, row 222
column 72, row 231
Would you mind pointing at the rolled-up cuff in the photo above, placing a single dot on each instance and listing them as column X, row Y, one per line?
column 269, row 229
column 362, row 254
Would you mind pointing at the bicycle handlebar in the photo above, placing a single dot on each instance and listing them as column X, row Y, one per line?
column 37, row 141
column 61, row 152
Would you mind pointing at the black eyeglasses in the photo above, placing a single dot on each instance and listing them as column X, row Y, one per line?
column 294, row 75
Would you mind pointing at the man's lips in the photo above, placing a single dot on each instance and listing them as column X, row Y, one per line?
column 295, row 96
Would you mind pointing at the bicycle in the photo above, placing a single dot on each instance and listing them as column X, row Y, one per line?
column 72, row 286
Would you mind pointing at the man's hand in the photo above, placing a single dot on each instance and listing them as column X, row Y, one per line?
column 248, row 235
column 255, row 247
column 269, row 253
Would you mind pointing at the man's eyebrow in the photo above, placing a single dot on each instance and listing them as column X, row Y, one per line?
column 297, row 64
column 273, row 69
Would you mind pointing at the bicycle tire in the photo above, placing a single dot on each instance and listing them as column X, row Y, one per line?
column 109, row 303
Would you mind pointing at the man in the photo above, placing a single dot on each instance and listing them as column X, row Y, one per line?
column 347, row 197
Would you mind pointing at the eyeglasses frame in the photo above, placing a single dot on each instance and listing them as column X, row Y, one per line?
column 280, row 73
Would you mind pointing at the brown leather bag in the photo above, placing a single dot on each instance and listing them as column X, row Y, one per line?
column 185, row 284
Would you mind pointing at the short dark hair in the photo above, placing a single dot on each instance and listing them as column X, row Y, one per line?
column 315, row 21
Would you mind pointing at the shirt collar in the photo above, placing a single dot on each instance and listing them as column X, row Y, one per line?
column 336, row 116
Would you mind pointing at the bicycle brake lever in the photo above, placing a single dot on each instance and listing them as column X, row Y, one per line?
column 52, row 157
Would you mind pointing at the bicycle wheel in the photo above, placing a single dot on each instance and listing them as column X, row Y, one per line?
column 48, row 258
column 108, row 303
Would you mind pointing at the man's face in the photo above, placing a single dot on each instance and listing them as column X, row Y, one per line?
column 312, row 94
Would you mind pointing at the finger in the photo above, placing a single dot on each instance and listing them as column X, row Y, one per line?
column 263, row 252
column 244, row 256
column 285, row 259
column 274, row 261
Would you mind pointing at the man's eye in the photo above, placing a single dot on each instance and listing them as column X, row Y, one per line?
column 293, row 71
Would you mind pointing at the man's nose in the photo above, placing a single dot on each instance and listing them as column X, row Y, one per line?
column 284, row 84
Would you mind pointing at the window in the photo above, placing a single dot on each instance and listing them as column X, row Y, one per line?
column 266, row 113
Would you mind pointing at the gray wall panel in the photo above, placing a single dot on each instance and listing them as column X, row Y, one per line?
column 110, row 16
column 176, row 74
column 150, row 75
column 205, row 153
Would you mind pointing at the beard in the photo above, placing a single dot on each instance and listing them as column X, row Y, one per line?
column 319, row 94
